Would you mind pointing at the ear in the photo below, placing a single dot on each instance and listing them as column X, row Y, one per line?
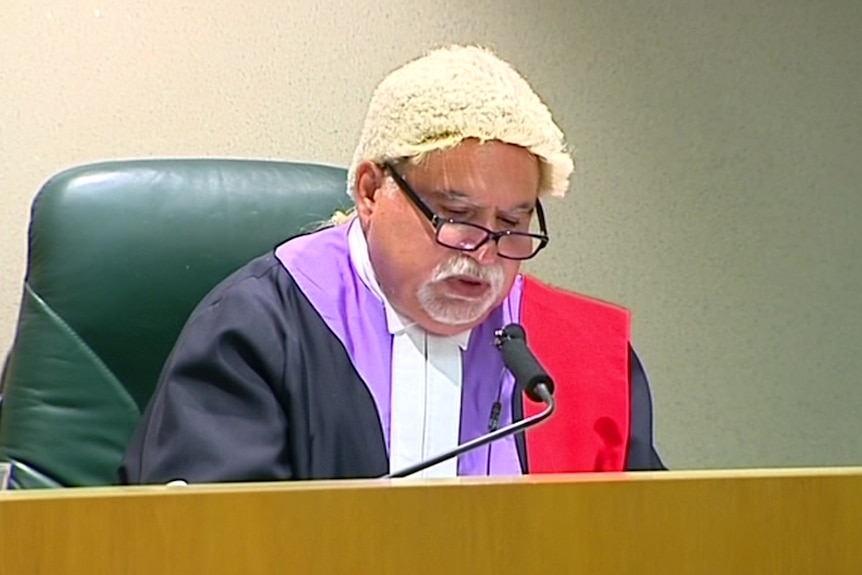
column 369, row 180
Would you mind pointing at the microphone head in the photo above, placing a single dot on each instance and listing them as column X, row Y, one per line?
column 515, row 331
column 528, row 372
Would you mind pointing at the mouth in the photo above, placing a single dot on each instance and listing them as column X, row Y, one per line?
column 466, row 287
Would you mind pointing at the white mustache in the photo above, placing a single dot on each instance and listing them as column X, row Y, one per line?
column 467, row 266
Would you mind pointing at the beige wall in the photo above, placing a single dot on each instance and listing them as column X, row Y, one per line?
column 718, row 145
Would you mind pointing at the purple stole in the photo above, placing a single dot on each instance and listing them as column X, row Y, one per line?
column 582, row 342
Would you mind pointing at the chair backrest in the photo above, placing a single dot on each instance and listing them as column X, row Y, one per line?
column 119, row 253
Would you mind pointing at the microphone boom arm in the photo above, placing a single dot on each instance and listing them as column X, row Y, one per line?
column 510, row 429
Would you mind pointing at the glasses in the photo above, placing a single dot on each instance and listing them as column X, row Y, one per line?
column 468, row 237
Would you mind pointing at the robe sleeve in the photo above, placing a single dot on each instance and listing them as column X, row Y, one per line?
column 216, row 414
column 642, row 455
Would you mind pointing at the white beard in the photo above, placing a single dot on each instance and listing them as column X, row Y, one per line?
column 451, row 309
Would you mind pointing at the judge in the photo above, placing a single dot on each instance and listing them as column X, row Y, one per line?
column 368, row 346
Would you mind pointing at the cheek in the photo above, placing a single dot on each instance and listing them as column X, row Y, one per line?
column 398, row 233
column 510, row 270
column 403, row 260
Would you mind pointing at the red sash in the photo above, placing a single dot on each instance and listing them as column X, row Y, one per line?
column 584, row 345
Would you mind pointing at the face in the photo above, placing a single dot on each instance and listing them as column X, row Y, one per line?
column 444, row 290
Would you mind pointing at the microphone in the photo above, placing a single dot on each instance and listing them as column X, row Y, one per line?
column 530, row 377
column 528, row 372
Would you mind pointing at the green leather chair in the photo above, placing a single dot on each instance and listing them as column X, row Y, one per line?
column 119, row 253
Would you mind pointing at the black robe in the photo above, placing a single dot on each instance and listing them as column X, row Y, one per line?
column 259, row 388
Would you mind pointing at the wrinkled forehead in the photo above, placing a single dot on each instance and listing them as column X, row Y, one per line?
column 473, row 167
column 467, row 150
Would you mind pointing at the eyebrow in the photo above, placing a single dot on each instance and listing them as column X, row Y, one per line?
column 522, row 208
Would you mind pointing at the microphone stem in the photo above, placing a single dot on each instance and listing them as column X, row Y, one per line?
column 510, row 429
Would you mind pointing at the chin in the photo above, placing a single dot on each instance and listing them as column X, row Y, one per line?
column 458, row 313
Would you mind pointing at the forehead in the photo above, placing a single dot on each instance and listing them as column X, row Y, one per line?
column 488, row 172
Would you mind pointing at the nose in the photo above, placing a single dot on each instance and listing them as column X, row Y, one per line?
column 487, row 254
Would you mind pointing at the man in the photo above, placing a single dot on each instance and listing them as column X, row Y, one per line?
column 366, row 347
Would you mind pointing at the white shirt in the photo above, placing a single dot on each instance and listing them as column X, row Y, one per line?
column 425, row 404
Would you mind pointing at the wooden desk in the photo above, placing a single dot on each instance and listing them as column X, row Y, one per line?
column 735, row 522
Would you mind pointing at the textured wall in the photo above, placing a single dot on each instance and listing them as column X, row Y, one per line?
column 717, row 192
column 720, row 198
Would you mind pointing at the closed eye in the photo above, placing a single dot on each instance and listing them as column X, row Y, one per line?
column 457, row 213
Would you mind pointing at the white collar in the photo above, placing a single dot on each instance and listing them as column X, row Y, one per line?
column 396, row 323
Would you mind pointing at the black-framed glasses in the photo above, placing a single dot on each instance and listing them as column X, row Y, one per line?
column 469, row 237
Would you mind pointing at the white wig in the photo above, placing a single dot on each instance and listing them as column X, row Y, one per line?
column 455, row 93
